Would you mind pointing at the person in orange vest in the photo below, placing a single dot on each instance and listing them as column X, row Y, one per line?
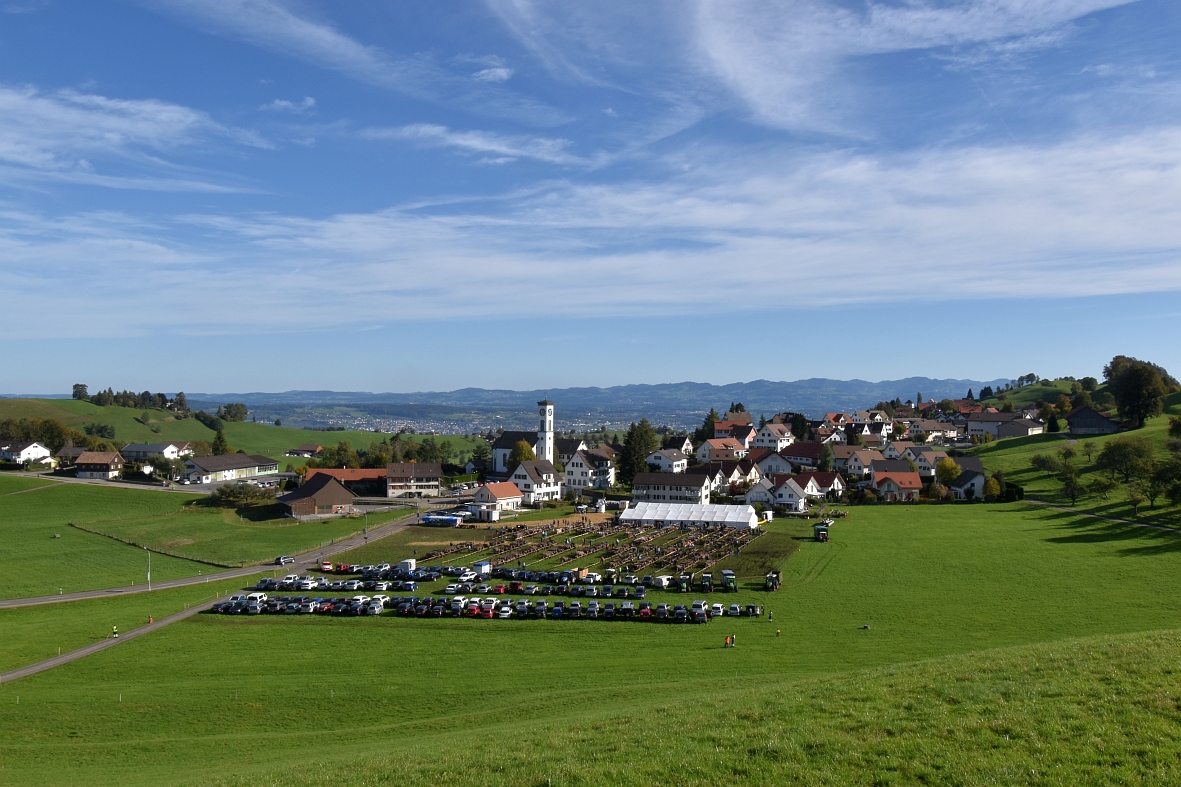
column 149, row 620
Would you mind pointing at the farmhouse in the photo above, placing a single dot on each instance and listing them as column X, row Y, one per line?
column 67, row 455
column 671, row 487
column 231, row 467
column 99, row 464
column 19, row 452
column 414, row 479
column 1086, row 420
column 320, row 494
column 1022, row 427
column 589, row 470
column 139, row 452
column 499, row 496
column 365, row 482
column 660, row 514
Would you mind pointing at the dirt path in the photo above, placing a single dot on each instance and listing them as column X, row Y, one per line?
column 303, row 562
column 1052, row 507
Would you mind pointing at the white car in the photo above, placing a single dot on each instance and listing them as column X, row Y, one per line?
column 468, row 576
column 506, row 612
column 259, row 598
column 484, row 589
column 591, row 578
column 309, row 606
column 717, row 610
column 450, row 589
column 734, row 611
column 353, row 584
column 384, row 599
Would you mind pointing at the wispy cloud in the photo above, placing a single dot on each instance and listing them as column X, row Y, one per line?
column 498, row 74
column 505, row 148
column 298, row 107
column 1092, row 216
column 66, row 135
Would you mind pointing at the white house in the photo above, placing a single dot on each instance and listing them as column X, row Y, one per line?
column 774, row 436
column 969, row 486
column 588, row 470
column 859, row 462
column 927, row 461
column 538, row 481
column 762, row 492
column 720, row 449
column 818, row 484
column 668, row 460
column 19, row 452
column 500, row 496
column 896, row 449
column 789, row 495
column 231, row 467
column 684, row 445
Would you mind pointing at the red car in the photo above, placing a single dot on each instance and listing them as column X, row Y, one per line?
column 326, row 567
column 500, row 589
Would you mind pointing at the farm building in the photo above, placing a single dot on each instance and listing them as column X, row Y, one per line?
column 414, row 479
column 99, row 464
column 364, row 481
column 679, row 487
column 1085, row 420
column 737, row 517
column 207, row 469
column 320, row 494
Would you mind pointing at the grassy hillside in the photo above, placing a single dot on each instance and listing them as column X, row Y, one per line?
column 1029, row 394
column 1014, row 457
column 254, row 438
column 295, row 700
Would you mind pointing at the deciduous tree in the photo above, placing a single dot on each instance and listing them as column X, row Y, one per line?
column 522, row 452
column 1138, row 387
column 1126, row 456
column 947, row 471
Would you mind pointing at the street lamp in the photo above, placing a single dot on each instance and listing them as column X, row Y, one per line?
column 149, row 568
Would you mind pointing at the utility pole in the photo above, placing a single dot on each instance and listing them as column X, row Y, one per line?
column 149, row 568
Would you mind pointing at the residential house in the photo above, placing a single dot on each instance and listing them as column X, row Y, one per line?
column 721, row 449
column 668, row 460
column 538, row 481
column 806, row 455
column 774, row 436
column 896, row 449
column 881, row 466
column 231, row 467
column 829, row 435
column 841, row 454
column 981, row 423
column 499, row 496
column 319, row 494
column 567, row 447
column 762, row 492
column 745, row 434
column 68, row 455
column 829, row 485
column 837, row 419
column 682, row 444
column 307, row 450
column 671, row 488
column 1087, row 421
column 738, row 416
column 927, row 461
column 718, row 480
column 99, row 464
column 858, row 463
column 928, row 430
column 968, row 486
column 898, row 485
column 414, row 479
column 589, row 470
column 790, row 495
column 22, row 451
column 772, row 464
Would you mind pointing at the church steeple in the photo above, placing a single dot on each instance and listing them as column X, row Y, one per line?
column 545, row 430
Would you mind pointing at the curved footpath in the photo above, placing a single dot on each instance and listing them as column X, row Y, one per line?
column 303, row 562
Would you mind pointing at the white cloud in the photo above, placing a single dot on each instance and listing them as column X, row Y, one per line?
column 498, row 74
column 1087, row 217
column 507, row 147
column 298, row 107
column 783, row 59
column 61, row 135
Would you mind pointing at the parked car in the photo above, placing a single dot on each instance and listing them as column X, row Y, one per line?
column 284, row 560
column 734, row 610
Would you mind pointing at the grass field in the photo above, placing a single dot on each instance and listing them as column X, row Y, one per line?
column 1013, row 457
column 254, row 438
column 35, row 633
column 329, row 700
column 40, row 564
column 10, row 483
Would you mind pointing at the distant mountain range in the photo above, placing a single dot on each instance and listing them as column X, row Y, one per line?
column 813, row 397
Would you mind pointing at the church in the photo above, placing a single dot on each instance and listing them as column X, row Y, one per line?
column 541, row 441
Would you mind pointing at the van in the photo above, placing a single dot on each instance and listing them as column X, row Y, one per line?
column 258, row 598
column 662, row 581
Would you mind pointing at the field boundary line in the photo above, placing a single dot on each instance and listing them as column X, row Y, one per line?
column 158, row 551
column 1052, row 507
column 34, row 489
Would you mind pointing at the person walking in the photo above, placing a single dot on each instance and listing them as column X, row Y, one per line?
column 115, row 632
column 777, row 632
column 733, row 640
column 770, row 617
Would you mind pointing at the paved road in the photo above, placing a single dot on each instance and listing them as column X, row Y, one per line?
column 303, row 562
column 1100, row 516
column 74, row 655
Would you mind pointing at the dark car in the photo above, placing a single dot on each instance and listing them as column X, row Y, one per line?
column 609, row 612
column 680, row 614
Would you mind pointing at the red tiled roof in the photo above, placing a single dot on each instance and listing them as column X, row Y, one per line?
column 502, row 489
column 348, row 474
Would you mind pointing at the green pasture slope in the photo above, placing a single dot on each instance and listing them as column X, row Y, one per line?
column 39, row 564
column 1080, row 693
column 1013, row 456
column 254, row 438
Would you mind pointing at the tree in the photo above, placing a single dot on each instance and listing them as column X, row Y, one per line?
column 80, row 391
column 234, row 412
column 1135, row 500
column 948, row 407
column 1007, row 407
column 1089, row 383
column 1089, row 451
column 1126, row 456
column 737, row 408
column 1067, row 453
column 947, row 471
column 1071, row 486
column 1102, row 486
column 522, row 452
column 278, row 422
column 854, row 438
column 1081, row 399
column 986, row 392
column 992, row 489
column 1175, row 428
column 1138, row 387
column 180, row 403
column 799, row 425
column 482, row 455
column 1053, row 426
column 970, row 397
column 706, row 430
column 641, row 440
column 825, row 463
column 220, row 446
column 1044, row 462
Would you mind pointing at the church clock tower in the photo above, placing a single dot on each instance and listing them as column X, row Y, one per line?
column 545, row 430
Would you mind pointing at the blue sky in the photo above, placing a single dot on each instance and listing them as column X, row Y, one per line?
column 270, row 194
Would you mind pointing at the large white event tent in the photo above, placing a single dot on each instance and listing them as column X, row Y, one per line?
column 737, row 517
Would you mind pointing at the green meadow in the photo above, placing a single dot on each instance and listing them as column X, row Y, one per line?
column 253, row 438
column 1076, row 692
